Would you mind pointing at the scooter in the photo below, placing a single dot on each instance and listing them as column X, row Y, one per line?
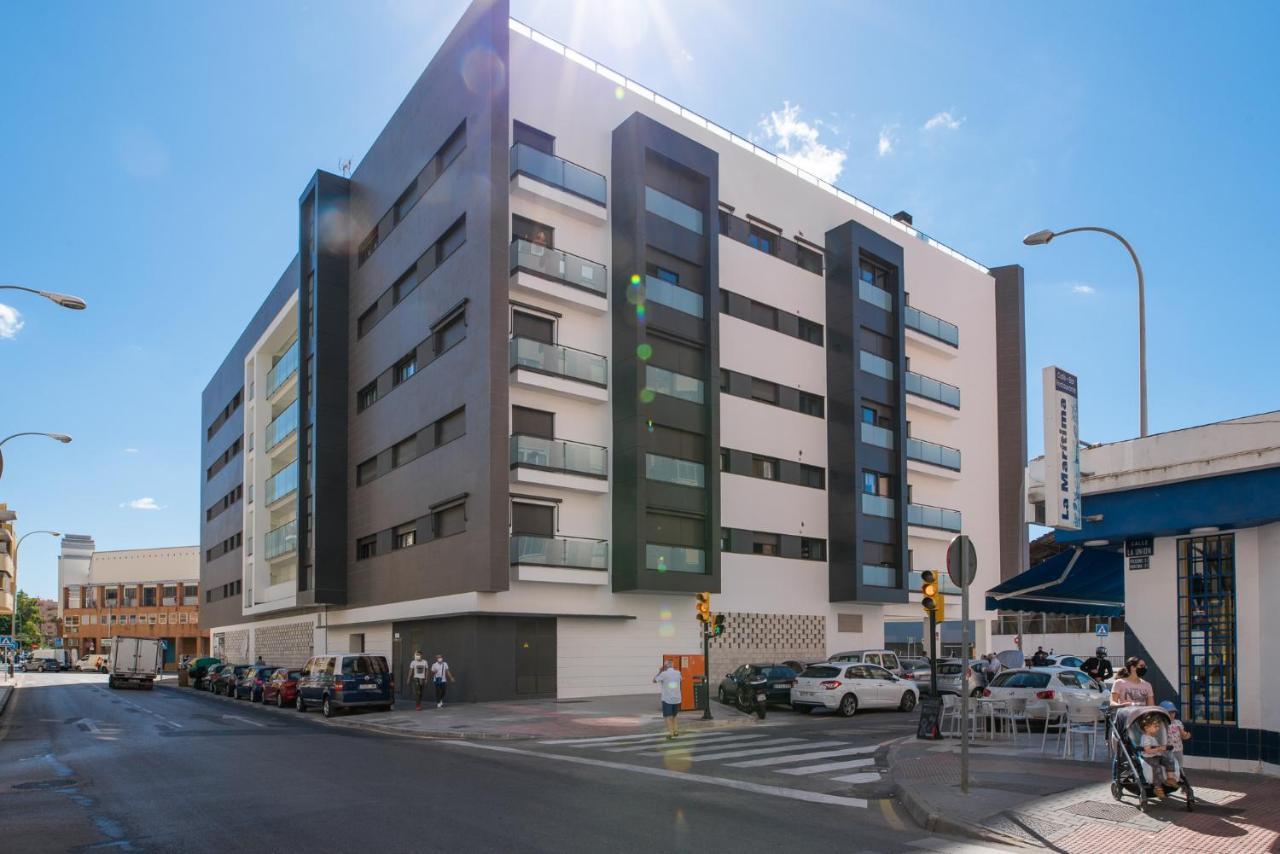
column 754, row 690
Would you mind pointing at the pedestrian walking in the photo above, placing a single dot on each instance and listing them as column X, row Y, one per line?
column 1130, row 689
column 441, row 676
column 418, row 670
column 1098, row 667
column 668, row 679
column 1178, row 733
column 258, row 662
column 1040, row 658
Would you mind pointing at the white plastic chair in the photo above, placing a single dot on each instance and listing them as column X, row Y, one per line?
column 1055, row 718
column 1018, row 715
column 1083, row 721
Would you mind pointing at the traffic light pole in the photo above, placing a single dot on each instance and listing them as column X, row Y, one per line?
column 706, row 672
column 933, row 654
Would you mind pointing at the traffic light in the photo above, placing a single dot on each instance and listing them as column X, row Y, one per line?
column 703, row 603
column 717, row 626
column 931, row 596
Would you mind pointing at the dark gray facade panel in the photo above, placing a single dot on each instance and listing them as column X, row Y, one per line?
column 647, row 151
column 494, row 657
column 848, row 527
column 1011, row 417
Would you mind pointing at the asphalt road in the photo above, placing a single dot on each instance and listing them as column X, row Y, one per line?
column 83, row 767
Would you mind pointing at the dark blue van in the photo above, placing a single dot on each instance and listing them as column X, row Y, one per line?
column 348, row 681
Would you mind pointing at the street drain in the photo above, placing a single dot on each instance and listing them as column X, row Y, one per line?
column 45, row 784
column 1104, row 811
column 567, row 702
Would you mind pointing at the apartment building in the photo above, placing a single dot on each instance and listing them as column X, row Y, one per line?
column 134, row 592
column 8, row 561
column 559, row 354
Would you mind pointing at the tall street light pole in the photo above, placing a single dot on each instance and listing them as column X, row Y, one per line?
column 64, row 300
column 1041, row 238
column 57, row 437
column 17, row 613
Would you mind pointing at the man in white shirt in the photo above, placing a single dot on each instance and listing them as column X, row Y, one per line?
column 441, row 676
column 669, row 680
column 418, row 669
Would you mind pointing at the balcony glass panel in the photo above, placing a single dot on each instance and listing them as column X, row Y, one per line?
column 286, row 367
column 558, row 360
column 868, row 292
column 944, row 583
column 938, row 455
column 568, row 552
column 672, row 384
column 282, row 540
column 284, row 426
column 558, row 172
column 658, row 202
column 675, row 559
column 873, row 364
column 879, row 576
column 873, row 434
column 933, row 389
column 559, row 455
column 558, row 265
column 878, row 505
column 671, row 470
column 282, row 482
column 933, row 517
column 672, row 296
column 934, row 327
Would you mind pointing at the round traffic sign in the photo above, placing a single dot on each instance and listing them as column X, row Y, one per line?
column 962, row 561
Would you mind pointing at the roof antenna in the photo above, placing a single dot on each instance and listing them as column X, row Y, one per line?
column 344, row 166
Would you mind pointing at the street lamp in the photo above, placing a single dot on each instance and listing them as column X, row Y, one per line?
column 57, row 437
column 65, row 300
column 1042, row 238
column 13, row 623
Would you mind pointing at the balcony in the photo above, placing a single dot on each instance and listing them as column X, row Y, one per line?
column 937, row 518
column 944, row 583
column 879, row 505
column 285, row 368
column 569, row 186
column 560, row 463
column 284, row 427
column 877, row 365
column 874, row 575
column 282, row 483
column 934, row 327
column 559, row 369
column 874, row 434
column 560, row 275
column 571, row 560
column 282, row 541
column 948, row 396
column 878, row 297
column 934, row 454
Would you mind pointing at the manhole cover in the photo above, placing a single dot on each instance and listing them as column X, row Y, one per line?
column 45, row 784
column 1107, row 812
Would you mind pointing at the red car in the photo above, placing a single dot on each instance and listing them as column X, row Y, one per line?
column 282, row 687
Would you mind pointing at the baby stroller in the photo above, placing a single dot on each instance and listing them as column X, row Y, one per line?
column 1129, row 773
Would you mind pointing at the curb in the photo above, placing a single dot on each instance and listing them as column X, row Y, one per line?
column 8, row 695
column 922, row 813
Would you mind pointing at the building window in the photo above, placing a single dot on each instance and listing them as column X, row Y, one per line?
column 450, row 333
column 405, row 535
column 764, row 391
column 874, row 274
column 672, row 470
column 813, row 549
column 1207, row 629
column 367, row 547
column 366, row 321
column 534, row 138
column 764, row 315
column 673, row 210
column 765, row 544
column 672, row 384
column 811, row 404
column 875, row 483
column 451, row 427
column 813, row 476
column 73, row 596
column 449, row 521
column 170, row 594
column 404, row 451
column 405, row 368
column 451, row 240
column 724, row 459
column 810, row 331
column 765, row 241
column 367, row 396
column 406, row 200
column 725, row 375
column 366, row 471
column 404, row 285
column 765, row 467
column 190, row 593
column 726, row 539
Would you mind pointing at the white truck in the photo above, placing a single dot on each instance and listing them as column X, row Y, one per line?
column 134, row 660
column 63, row 656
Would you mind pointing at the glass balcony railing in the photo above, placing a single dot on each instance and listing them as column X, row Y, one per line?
column 938, row 455
column 944, row 583
column 282, row 540
column 567, row 552
column 560, row 361
column 873, row 364
column 934, row 327
column 878, row 505
column 675, row 559
column 282, row 482
column 558, row 265
column 672, row 296
column 672, row 470
column 558, row 172
column 933, row 389
column 933, row 517
column 868, row 292
column 879, row 576
column 560, row 455
column 285, row 367
column 284, row 426
column 874, row 434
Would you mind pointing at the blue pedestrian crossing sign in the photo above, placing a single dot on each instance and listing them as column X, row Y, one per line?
column 1102, row 631
column 7, row 642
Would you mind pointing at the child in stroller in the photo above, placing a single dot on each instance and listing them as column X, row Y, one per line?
column 1141, row 762
column 1155, row 752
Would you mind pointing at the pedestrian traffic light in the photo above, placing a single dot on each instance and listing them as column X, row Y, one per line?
column 717, row 626
column 703, row 603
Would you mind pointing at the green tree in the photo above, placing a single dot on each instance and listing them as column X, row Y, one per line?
column 28, row 621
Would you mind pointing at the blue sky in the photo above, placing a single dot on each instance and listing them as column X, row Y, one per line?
column 155, row 153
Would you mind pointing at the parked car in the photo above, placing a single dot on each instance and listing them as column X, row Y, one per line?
column 338, row 682
column 910, row 665
column 41, row 665
column 1073, row 662
column 798, row 666
column 251, row 683
column 888, row 659
column 93, row 663
column 228, row 676
column 210, row 680
column 949, row 680
column 197, row 670
column 736, row 686
column 848, row 687
column 282, row 687
column 1037, row 685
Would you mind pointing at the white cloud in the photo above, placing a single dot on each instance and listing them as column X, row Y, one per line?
column 146, row 503
column 943, row 120
column 1087, row 290
column 11, row 322
column 131, row 450
column 796, row 140
column 885, row 144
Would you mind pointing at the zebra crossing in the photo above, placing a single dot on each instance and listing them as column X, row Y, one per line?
column 805, row 759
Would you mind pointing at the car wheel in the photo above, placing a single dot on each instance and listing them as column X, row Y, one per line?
column 723, row 697
column 326, row 707
column 976, row 692
column 848, row 706
column 908, row 702
column 299, row 703
column 111, row 682
column 279, row 700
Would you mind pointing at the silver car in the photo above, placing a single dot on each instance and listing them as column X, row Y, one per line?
column 949, row 679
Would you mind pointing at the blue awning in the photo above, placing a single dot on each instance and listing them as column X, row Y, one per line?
column 1075, row 581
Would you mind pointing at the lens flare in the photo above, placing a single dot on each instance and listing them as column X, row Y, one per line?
column 643, row 352
column 635, row 278
column 664, row 614
column 646, row 395
column 618, row 92
column 677, row 760
column 640, row 311
column 666, row 630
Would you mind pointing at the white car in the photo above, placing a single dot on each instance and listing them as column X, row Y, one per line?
column 92, row 663
column 1038, row 685
column 846, row 688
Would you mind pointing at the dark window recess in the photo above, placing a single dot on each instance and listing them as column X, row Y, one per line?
column 451, row 240
column 664, row 274
column 812, row 548
column 405, row 202
column 533, row 326
column 724, row 459
column 877, row 483
column 533, row 422
column 810, row 331
column 227, row 456
column 813, row 476
column 765, row 544
column 416, row 444
column 449, row 521
column 450, row 333
column 366, row 321
column 725, row 376
column 534, row 232
column 738, row 229
column 435, row 254
column 874, row 342
column 367, row 396
column 809, row 259
column 538, row 520
column 366, row 471
column 404, row 451
column 879, row 414
column 367, row 547
column 405, row 285
column 405, row 368
column 764, row 391
column 224, row 503
column 768, row 392
column 768, row 468
column 726, row 539
column 874, row 274
column 451, row 427
column 403, row 536
column 811, row 404
column 527, row 135
column 759, row 238
column 225, row 414
column 764, row 315
column 770, row 317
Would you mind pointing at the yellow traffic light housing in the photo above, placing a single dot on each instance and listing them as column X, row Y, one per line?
column 931, row 597
column 703, row 603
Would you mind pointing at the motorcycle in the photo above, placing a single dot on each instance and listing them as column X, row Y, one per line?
column 753, row 698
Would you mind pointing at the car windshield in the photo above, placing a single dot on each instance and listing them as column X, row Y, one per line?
column 779, row 672
column 295, row 674
column 820, row 671
column 948, row 669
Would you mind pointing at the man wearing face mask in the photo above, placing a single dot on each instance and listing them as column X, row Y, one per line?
column 418, row 676
column 1130, row 689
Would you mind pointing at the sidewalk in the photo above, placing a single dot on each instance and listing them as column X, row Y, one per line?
column 7, row 687
column 1019, row 797
column 528, row 719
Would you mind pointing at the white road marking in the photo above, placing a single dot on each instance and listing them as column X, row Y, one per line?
column 134, row 705
column 607, row 739
column 751, row 750
column 827, row 766
column 822, row 754
column 864, row 777
column 244, row 720
column 740, row 785
column 662, row 747
column 954, row 846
